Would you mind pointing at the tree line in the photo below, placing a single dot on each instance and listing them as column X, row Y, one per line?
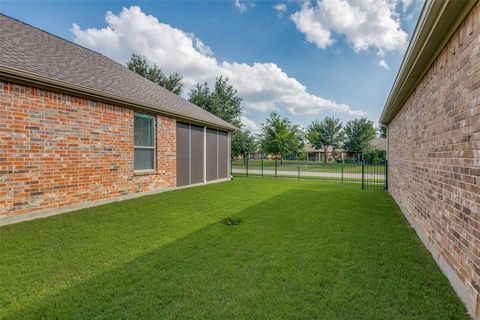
column 221, row 100
column 279, row 137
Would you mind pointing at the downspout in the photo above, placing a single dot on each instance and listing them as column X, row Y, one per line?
column 386, row 158
column 230, row 155
column 204, row 154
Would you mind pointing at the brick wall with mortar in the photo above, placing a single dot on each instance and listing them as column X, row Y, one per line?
column 434, row 156
column 58, row 150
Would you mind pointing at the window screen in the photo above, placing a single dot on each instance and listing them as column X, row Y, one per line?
column 222, row 154
column 196, row 154
column 212, row 155
column 183, row 154
column 144, row 142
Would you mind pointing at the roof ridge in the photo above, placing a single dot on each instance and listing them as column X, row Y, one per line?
column 58, row 37
column 75, row 44
column 93, row 51
column 134, row 85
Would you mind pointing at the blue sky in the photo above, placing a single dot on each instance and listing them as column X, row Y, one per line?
column 303, row 59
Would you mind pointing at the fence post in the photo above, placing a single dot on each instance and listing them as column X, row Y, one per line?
column 386, row 174
column 363, row 174
column 342, row 171
column 246, row 167
column 298, row 166
column 261, row 161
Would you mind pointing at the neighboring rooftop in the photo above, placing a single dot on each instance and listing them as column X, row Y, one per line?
column 379, row 143
column 309, row 148
column 34, row 56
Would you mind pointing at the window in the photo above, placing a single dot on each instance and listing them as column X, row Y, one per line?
column 144, row 142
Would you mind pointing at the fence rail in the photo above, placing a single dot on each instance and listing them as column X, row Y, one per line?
column 370, row 176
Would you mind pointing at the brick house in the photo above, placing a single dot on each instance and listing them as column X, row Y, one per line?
column 433, row 119
column 78, row 129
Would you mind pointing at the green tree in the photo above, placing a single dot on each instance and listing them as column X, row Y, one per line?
column 280, row 137
column 200, row 95
column 140, row 65
column 358, row 135
column 374, row 156
column 222, row 101
column 243, row 142
column 325, row 134
column 382, row 131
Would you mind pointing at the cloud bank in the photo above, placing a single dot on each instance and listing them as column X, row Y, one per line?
column 365, row 24
column 263, row 86
column 250, row 125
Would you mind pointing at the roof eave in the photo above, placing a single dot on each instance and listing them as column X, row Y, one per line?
column 28, row 78
column 437, row 23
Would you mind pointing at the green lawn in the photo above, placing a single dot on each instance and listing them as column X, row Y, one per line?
column 304, row 251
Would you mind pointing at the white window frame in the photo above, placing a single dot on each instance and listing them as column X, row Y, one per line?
column 154, row 147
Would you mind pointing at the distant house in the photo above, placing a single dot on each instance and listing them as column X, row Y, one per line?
column 314, row 154
column 433, row 149
column 379, row 143
column 309, row 152
column 78, row 128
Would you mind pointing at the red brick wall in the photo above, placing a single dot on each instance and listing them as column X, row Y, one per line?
column 434, row 155
column 58, row 150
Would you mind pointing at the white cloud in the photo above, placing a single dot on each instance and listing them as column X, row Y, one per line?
column 384, row 64
column 364, row 23
column 202, row 48
column 263, row 86
column 307, row 23
column 242, row 7
column 250, row 125
column 281, row 8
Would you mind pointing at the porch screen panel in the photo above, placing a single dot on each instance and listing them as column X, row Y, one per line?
column 211, row 154
column 196, row 147
column 183, row 154
column 222, row 155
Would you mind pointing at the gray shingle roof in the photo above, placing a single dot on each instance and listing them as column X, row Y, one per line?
column 50, row 58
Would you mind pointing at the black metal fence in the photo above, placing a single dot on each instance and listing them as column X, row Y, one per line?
column 368, row 175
